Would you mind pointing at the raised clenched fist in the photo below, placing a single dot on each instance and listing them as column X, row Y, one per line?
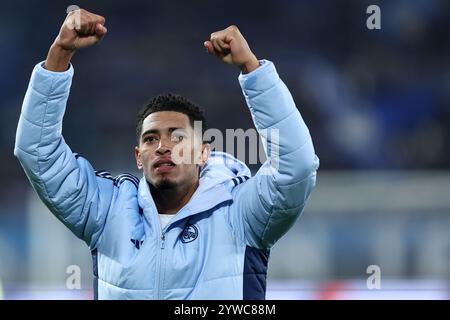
column 231, row 47
column 81, row 29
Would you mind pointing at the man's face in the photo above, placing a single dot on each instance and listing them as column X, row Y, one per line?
column 169, row 151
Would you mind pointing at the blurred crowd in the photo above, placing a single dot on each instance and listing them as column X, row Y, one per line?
column 373, row 99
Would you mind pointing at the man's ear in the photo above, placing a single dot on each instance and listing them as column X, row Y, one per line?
column 137, row 154
column 206, row 151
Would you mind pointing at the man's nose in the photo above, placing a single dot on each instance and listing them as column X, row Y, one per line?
column 163, row 147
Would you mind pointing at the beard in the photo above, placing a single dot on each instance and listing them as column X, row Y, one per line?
column 163, row 184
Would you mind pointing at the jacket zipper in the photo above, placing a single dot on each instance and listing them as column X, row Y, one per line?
column 163, row 237
column 160, row 257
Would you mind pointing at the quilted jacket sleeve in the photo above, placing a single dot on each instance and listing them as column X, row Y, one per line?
column 268, row 204
column 66, row 183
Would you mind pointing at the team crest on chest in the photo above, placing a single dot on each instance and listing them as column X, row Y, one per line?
column 189, row 234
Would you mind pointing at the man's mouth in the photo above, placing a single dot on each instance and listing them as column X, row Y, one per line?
column 163, row 165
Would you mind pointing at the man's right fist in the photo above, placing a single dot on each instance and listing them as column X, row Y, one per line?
column 81, row 29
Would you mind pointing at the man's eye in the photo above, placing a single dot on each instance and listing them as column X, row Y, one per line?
column 149, row 139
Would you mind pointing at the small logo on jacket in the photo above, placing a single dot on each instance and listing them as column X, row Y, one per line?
column 189, row 234
column 137, row 243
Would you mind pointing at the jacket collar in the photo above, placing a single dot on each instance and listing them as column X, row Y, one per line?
column 206, row 197
column 211, row 192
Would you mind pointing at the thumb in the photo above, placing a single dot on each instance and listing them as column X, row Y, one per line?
column 209, row 47
column 84, row 42
column 100, row 30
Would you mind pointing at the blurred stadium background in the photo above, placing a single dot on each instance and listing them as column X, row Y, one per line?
column 377, row 104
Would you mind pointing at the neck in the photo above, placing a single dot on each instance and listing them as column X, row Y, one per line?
column 170, row 201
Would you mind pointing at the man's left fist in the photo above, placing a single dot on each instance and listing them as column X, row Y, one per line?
column 231, row 47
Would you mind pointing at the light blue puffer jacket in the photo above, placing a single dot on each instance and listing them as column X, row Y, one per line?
column 217, row 246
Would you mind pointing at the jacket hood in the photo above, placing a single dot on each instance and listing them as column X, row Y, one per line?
column 219, row 170
column 222, row 167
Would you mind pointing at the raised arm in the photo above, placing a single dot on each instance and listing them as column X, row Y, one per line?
column 268, row 204
column 66, row 183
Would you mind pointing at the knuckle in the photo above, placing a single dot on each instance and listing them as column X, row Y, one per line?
column 98, row 18
column 90, row 21
column 84, row 22
column 233, row 28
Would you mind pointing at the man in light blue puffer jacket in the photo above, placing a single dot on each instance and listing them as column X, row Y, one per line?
column 186, row 230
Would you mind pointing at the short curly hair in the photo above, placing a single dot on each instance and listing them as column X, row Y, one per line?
column 171, row 102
